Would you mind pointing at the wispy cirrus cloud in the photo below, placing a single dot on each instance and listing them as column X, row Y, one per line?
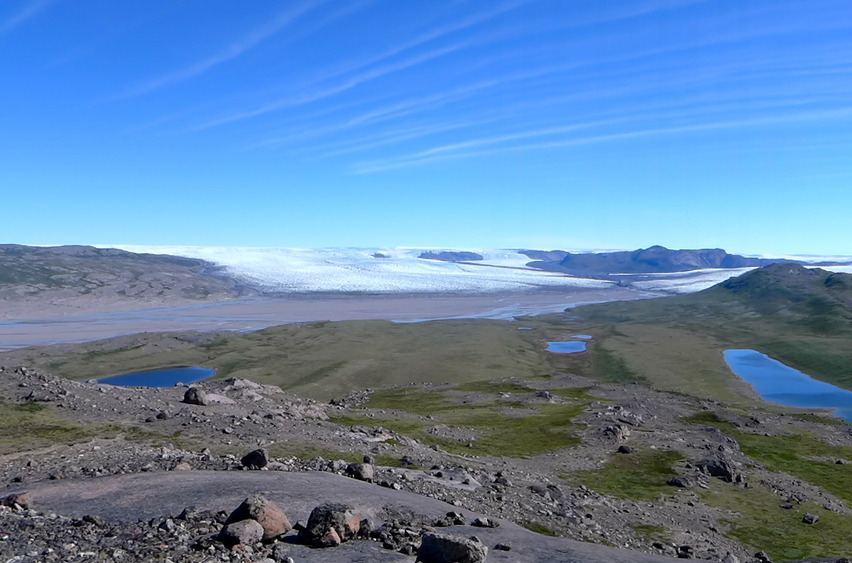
column 30, row 10
column 368, row 75
column 460, row 151
column 392, row 137
column 346, row 85
column 232, row 51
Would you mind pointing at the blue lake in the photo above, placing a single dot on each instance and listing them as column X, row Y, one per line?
column 568, row 347
column 782, row 384
column 168, row 377
column 583, row 336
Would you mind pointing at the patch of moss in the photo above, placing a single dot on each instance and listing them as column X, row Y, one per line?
column 641, row 475
column 793, row 453
column 538, row 528
column 576, row 393
column 651, row 533
column 28, row 426
column 415, row 401
column 30, row 407
column 820, row 419
column 494, row 387
column 758, row 520
column 541, row 428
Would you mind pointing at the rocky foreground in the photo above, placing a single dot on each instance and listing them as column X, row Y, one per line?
column 139, row 474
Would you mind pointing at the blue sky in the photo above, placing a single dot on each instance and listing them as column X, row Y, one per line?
column 458, row 123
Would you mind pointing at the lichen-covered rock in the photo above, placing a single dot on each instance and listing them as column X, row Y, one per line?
column 265, row 512
column 342, row 519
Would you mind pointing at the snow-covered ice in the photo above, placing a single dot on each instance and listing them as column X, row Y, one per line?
column 688, row 282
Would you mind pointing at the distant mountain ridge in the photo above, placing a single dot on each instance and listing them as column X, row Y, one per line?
column 652, row 260
column 79, row 278
column 789, row 292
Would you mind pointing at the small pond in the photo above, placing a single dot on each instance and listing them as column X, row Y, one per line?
column 778, row 383
column 168, row 377
column 583, row 336
column 568, row 347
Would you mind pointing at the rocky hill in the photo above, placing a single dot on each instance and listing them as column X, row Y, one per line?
column 73, row 279
column 654, row 259
column 147, row 474
column 783, row 293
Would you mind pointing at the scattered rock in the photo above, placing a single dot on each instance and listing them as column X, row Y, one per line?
column 257, row 459
column 244, row 532
column 441, row 548
column 682, row 482
column 266, row 513
column 329, row 521
column 215, row 399
column 810, row 518
column 21, row 500
column 624, row 449
column 195, row 396
column 618, row 431
column 718, row 465
column 360, row 471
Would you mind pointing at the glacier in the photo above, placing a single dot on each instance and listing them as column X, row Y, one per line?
column 374, row 270
column 400, row 270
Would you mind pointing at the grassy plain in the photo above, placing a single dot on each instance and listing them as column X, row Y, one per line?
column 329, row 359
column 641, row 475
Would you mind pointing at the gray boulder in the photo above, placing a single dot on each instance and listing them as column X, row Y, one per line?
column 618, row 431
column 682, row 482
column 718, row 466
column 446, row 548
column 810, row 518
column 360, row 471
column 245, row 532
